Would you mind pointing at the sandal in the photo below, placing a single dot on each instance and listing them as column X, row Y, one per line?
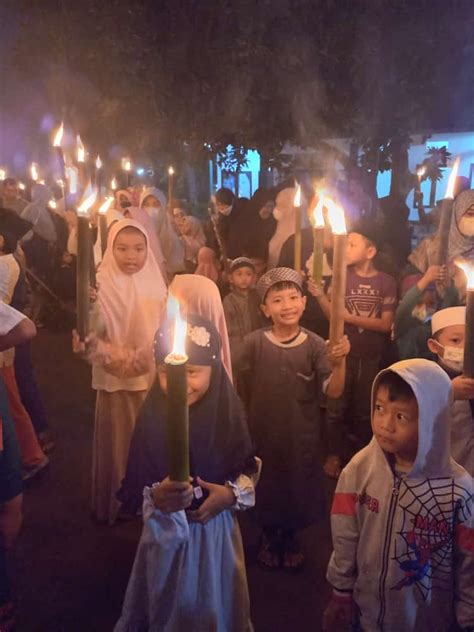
column 269, row 552
column 293, row 558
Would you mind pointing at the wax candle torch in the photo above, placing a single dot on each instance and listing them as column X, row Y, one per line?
column 339, row 272
column 170, row 187
column 297, row 206
column 468, row 269
column 446, row 215
column 177, row 424
column 83, row 265
column 318, row 242
column 103, row 223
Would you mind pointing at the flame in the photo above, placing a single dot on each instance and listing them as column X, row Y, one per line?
column 452, row 179
column 3, row 174
column 336, row 217
column 170, row 171
column 106, row 205
column 468, row 270
column 52, row 204
column 60, row 183
column 113, row 184
column 81, row 152
column 21, row 186
column 178, row 352
column 85, row 205
column 34, row 172
column 58, row 136
column 297, row 200
column 318, row 217
column 41, row 182
column 421, row 171
column 98, row 163
column 126, row 164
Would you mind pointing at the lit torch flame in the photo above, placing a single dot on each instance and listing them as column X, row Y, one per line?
column 452, row 179
column 113, row 184
column 81, row 152
column 178, row 352
column 336, row 217
column 52, row 204
column 171, row 171
column 421, row 172
column 3, row 174
column 318, row 216
column 34, row 172
column 21, row 186
column 85, row 205
column 297, row 200
column 98, row 163
column 468, row 270
column 106, row 205
column 126, row 164
column 58, row 137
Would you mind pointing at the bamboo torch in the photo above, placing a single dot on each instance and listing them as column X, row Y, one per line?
column 318, row 242
column 103, row 223
column 339, row 270
column 446, row 215
column 170, row 188
column 177, row 425
column 98, row 174
column 84, row 244
column 34, row 172
column 297, row 206
column 127, row 167
column 468, row 269
column 81, row 164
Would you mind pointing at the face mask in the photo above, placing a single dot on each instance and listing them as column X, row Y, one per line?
column 277, row 214
column 453, row 358
column 225, row 211
column 422, row 313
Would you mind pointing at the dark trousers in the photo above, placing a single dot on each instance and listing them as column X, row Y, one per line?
column 28, row 387
column 349, row 417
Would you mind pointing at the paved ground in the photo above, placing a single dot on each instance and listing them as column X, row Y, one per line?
column 71, row 574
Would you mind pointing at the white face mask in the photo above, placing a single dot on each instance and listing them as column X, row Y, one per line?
column 277, row 214
column 453, row 358
column 225, row 211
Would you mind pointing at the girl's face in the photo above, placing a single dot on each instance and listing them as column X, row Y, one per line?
column 151, row 202
column 199, row 380
column 130, row 250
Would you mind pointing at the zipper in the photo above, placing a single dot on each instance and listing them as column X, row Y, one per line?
column 386, row 548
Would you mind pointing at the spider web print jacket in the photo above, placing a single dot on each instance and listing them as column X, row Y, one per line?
column 404, row 547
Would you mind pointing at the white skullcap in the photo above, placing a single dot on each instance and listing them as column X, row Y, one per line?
column 447, row 317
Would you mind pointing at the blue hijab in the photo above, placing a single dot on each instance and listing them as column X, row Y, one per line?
column 219, row 440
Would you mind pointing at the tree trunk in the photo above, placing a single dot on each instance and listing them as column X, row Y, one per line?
column 402, row 178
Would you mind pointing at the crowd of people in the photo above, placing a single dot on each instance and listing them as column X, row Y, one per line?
column 273, row 409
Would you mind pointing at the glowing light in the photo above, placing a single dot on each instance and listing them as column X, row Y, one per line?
column 170, row 171
column 297, row 200
column 452, row 179
column 178, row 352
column 468, row 270
column 113, row 184
column 60, row 183
column 318, row 216
column 84, row 207
column 106, row 205
column 126, row 164
column 98, row 163
column 52, row 204
column 58, row 137
column 81, row 152
column 71, row 175
column 41, row 182
column 421, row 172
column 21, row 186
column 140, row 171
column 336, row 217
column 3, row 174
column 34, row 172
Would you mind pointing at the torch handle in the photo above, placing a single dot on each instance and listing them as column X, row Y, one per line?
column 468, row 370
column 338, row 290
column 297, row 260
column 318, row 252
column 177, row 427
column 103, row 232
column 443, row 231
column 82, row 276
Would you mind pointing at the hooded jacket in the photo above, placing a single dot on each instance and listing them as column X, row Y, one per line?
column 404, row 547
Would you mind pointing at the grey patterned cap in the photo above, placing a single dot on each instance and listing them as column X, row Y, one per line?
column 277, row 275
column 241, row 262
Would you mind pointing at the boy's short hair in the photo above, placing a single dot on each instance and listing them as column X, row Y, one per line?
column 241, row 262
column 278, row 278
column 285, row 285
column 396, row 386
column 369, row 232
